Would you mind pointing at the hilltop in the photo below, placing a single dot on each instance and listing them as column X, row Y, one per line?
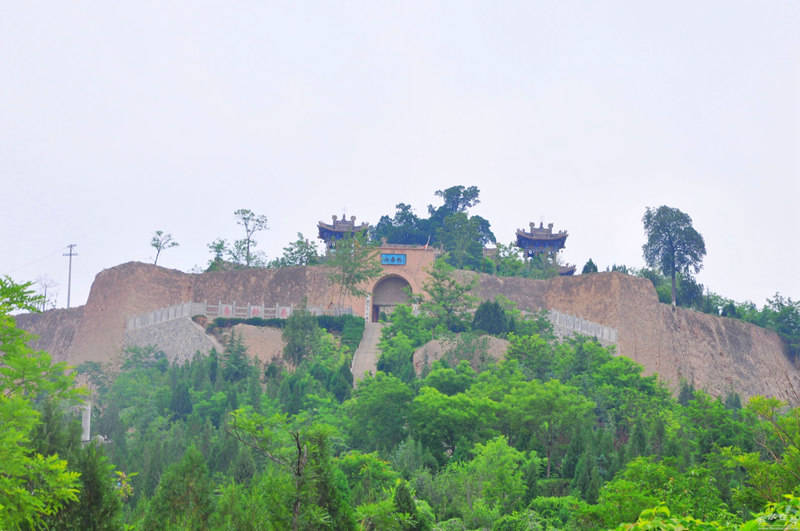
column 717, row 354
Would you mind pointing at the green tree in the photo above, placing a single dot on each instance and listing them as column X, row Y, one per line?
column 368, row 475
column 460, row 236
column 397, row 353
column 450, row 381
column 589, row 267
column 236, row 366
column 352, row 264
column 99, row 504
column 449, row 425
column 775, row 469
column 302, row 335
column 252, row 223
column 405, row 227
column 378, row 411
column 499, row 468
column 449, row 302
column 184, row 495
column 32, row 485
column 300, row 252
column 318, row 498
column 783, row 316
column 457, row 199
column 546, row 414
column 535, row 355
column 161, row 241
column 673, row 245
column 217, row 248
column 490, row 318
column 508, row 260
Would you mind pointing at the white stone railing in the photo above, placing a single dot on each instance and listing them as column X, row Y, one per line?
column 565, row 325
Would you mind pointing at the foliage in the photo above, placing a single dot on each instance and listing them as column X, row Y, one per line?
column 673, row 245
column 589, row 267
column 32, row 485
column 302, row 336
column 252, row 223
column 241, row 252
column 162, row 241
column 460, row 236
column 377, row 412
column 448, row 226
column 317, row 497
column 353, row 263
column 783, row 316
column 301, row 252
column 490, row 318
column 183, row 498
column 449, row 301
column 508, row 261
column 396, row 358
column 562, row 434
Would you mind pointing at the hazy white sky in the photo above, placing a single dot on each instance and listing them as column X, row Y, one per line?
column 117, row 119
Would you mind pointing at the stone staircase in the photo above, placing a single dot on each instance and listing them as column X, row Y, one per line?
column 365, row 358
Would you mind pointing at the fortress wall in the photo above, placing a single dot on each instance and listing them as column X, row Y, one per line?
column 55, row 330
column 286, row 286
column 117, row 294
column 128, row 290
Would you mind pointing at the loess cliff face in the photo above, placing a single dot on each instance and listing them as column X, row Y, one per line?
column 714, row 353
column 54, row 330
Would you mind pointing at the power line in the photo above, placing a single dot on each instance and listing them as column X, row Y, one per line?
column 69, row 278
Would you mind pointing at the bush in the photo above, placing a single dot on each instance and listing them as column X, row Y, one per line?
column 490, row 318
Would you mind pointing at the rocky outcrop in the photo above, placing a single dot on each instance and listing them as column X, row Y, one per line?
column 481, row 350
column 179, row 339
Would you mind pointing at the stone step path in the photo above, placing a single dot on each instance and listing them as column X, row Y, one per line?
column 365, row 358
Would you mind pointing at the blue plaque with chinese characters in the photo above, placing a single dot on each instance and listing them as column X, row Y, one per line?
column 393, row 259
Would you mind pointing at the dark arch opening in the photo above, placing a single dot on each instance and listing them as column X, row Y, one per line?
column 388, row 293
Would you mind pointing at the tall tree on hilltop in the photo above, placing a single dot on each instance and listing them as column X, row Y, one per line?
column 461, row 235
column 673, row 245
column 456, row 199
column 162, row 240
column 252, row 223
column 300, row 252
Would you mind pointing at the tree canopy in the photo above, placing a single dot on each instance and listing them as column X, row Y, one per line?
column 33, row 484
column 673, row 245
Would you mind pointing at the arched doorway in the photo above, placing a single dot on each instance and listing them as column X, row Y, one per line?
column 388, row 293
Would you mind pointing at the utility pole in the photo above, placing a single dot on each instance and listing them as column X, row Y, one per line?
column 69, row 278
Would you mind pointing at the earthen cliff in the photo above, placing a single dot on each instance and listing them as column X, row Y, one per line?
column 714, row 353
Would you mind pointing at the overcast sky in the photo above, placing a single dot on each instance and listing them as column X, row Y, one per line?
column 121, row 118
